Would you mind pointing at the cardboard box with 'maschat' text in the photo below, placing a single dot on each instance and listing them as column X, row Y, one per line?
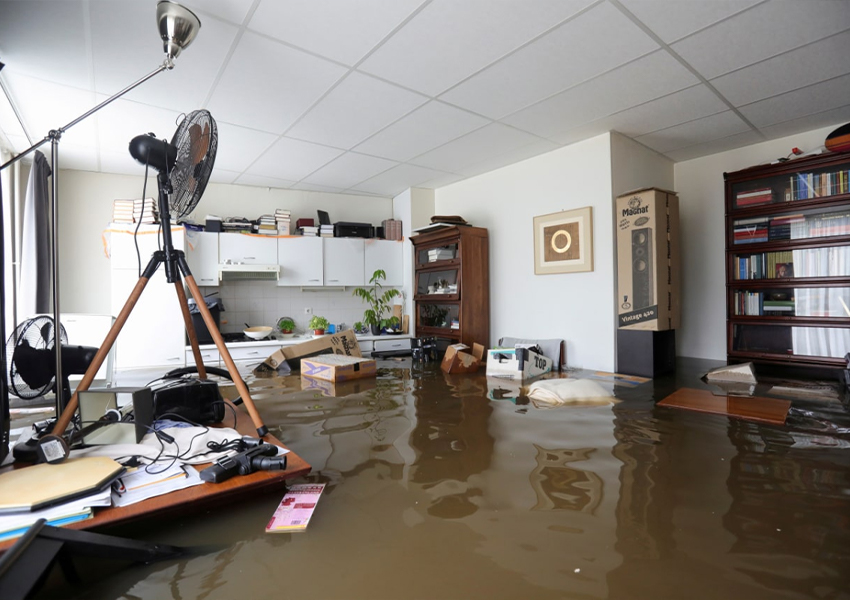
column 648, row 260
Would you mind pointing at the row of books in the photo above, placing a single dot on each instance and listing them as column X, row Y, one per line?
column 766, row 265
column 754, row 197
column 790, row 227
column 821, row 225
column 135, row 211
column 750, row 231
column 805, row 186
column 754, row 303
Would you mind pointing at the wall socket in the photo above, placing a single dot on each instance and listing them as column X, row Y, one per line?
column 308, row 311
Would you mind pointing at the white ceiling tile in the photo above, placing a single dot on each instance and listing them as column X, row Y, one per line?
column 293, row 159
column 647, row 78
column 738, row 140
column 267, row 85
column 127, row 46
column 427, row 127
column 348, row 170
column 51, row 48
column 449, row 40
column 540, row 69
column 19, row 143
column 115, row 161
column 482, row 144
column 674, row 22
column 238, row 147
column 261, row 181
column 679, row 107
column 233, row 11
column 807, row 65
column 337, row 29
column 799, row 103
column 398, row 179
column 223, row 175
column 837, row 117
column 45, row 106
column 509, row 158
column 309, row 187
column 695, row 132
column 121, row 121
column 355, row 109
column 761, row 32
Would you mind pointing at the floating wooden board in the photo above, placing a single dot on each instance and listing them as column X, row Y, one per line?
column 761, row 410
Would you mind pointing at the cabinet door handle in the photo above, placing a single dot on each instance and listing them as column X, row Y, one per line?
column 312, row 280
column 332, row 280
column 253, row 353
column 249, row 258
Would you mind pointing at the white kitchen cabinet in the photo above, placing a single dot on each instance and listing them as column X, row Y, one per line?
column 202, row 257
column 210, row 357
column 386, row 255
column 247, row 249
column 154, row 334
column 343, row 261
column 249, row 355
column 300, row 261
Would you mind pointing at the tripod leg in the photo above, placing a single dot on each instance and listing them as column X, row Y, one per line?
column 190, row 329
column 67, row 414
column 222, row 349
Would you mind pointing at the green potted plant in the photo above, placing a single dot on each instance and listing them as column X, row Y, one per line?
column 378, row 300
column 318, row 325
column 359, row 328
column 286, row 325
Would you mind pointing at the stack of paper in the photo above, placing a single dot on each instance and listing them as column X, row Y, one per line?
column 141, row 484
column 294, row 512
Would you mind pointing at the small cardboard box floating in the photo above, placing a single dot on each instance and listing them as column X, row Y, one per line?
column 344, row 344
column 458, row 358
column 335, row 367
column 517, row 363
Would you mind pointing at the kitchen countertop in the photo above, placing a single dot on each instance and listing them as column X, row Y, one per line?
column 279, row 340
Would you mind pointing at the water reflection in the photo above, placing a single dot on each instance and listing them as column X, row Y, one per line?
column 437, row 490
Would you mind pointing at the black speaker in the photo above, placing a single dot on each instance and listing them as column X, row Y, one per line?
column 642, row 295
column 646, row 353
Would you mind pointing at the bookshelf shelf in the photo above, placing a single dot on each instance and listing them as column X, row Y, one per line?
column 788, row 263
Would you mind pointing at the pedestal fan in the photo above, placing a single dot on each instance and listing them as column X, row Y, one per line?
column 184, row 167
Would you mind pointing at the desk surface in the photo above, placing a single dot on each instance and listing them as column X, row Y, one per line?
column 205, row 494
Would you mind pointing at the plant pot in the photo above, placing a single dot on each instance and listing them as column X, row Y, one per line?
column 375, row 329
column 318, row 332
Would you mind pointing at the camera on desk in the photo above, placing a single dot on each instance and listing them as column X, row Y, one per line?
column 259, row 456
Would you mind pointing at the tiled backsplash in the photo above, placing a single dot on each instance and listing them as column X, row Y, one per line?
column 263, row 303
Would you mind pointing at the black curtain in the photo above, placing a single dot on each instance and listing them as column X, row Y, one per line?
column 4, row 388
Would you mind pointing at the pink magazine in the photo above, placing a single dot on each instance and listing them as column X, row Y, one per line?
column 294, row 511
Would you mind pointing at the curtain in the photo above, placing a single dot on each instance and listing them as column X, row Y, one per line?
column 35, row 282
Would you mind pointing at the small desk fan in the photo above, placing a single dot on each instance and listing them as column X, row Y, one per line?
column 31, row 371
column 184, row 167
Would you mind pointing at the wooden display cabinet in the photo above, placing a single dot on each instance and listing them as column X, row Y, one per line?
column 452, row 284
column 788, row 263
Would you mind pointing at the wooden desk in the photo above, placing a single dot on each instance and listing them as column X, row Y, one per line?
column 203, row 495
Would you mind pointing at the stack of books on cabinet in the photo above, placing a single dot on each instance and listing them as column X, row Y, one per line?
column 307, row 227
column 392, row 229
column 326, row 230
column 283, row 220
column 267, row 225
column 133, row 211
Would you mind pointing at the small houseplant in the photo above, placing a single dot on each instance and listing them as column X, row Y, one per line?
column 318, row 325
column 286, row 325
column 378, row 300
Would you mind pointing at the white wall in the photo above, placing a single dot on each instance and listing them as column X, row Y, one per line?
column 699, row 183
column 85, row 210
column 413, row 208
column 576, row 307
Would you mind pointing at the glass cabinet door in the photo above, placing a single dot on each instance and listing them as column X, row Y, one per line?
column 788, row 340
column 438, row 315
column 808, row 184
column 437, row 253
column 816, row 302
column 439, row 282
column 827, row 261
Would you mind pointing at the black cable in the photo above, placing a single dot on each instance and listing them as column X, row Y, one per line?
column 139, row 222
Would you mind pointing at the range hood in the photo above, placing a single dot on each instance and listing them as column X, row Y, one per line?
column 241, row 272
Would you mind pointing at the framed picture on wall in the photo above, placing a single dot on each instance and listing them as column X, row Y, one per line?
column 563, row 242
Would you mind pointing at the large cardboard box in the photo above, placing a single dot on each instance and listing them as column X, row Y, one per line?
column 344, row 343
column 517, row 363
column 648, row 260
column 335, row 367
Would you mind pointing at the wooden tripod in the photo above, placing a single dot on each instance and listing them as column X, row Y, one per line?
column 175, row 264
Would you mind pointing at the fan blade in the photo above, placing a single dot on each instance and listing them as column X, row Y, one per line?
column 35, row 366
column 45, row 331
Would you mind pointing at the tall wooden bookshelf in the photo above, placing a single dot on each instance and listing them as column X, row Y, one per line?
column 452, row 284
column 788, row 263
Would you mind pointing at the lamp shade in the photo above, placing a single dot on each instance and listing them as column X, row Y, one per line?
column 178, row 26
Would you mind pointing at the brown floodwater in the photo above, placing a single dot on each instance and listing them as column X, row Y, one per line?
column 436, row 490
